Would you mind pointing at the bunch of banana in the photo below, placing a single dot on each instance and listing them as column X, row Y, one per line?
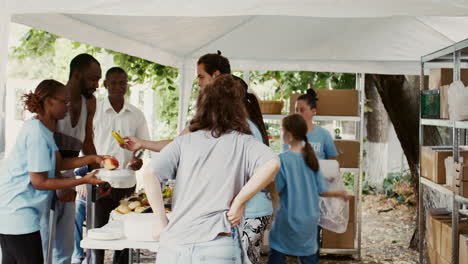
column 167, row 192
column 118, row 137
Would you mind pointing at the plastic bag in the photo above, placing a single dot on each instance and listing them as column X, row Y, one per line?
column 334, row 212
column 457, row 98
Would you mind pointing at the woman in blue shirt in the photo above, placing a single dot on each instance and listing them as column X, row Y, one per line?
column 29, row 172
column 300, row 184
column 318, row 137
column 259, row 210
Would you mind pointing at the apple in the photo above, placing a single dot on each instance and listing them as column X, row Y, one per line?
column 111, row 163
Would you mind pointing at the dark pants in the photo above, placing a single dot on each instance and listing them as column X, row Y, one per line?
column 104, row 207
column 319, row 243
column 276, row 257
column 22, row 249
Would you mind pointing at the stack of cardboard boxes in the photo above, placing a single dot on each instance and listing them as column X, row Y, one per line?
column 440, row 79
column 433, row 167
column 439, row 239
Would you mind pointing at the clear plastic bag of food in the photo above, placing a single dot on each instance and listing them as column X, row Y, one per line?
column 334, row 212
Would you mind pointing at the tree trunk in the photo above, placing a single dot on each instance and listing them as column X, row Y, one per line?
column 400, row 96
column 377, row 135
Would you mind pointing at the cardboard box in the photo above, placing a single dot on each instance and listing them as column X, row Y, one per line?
column 463, row 249
column 352, row 210
column 446, row 238
column 292, row 102
column 341, row 241
column 432, row 255
column 343, row 102
column 463, row 189
column 433, row 162
column 443, row 261
column 348, row 153
column 444, row 107
column 440, row 77
column 434, row 229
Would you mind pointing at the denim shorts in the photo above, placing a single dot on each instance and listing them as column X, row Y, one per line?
column 221, row 250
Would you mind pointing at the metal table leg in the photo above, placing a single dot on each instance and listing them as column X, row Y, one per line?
column 130, row 256
column 137, row 256
column 52, row 230
column 90, row 219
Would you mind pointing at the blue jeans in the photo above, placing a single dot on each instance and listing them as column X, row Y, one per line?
column 276, row 257
column 222, row 250
column 63, row 246
column 80, row 217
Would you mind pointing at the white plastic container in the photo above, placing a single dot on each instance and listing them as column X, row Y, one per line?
column 457, row 98
column 139, row 227
column 118, row 178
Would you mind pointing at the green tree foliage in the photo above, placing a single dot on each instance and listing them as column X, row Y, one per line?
column 42, row 46
column 38, row 48
column 299, row 81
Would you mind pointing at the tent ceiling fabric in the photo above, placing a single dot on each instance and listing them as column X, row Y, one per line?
column 374, row 36
column 312, row 8
column 389, row 45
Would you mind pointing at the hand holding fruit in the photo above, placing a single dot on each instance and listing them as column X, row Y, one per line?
column 99, row 159
column 110, row 163
column 132, row 143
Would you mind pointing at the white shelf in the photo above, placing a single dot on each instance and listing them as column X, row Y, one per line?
column 443, row 189
column 439, row 187
column 444, row 123
column 354, row 170
column 437, row 122
column 319, row 118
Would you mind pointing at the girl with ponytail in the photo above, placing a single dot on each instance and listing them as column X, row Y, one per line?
column 300, row 184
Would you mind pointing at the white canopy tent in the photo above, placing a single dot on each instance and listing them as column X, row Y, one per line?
column 371, row 36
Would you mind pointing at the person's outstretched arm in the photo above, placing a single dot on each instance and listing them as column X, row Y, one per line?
column 154, row 194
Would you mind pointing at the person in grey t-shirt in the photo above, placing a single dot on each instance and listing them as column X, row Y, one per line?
column 218, row 167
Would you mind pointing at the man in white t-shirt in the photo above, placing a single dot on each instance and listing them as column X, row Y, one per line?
column 115, row 113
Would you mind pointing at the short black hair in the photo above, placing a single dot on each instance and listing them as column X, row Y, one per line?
column 115, row 70
column 214, row 62
column 80, row 62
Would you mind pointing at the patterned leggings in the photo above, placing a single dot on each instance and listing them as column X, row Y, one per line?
column 252, row 235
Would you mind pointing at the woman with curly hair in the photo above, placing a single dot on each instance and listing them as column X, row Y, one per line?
column 28, row 175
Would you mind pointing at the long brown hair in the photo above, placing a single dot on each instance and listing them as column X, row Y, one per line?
column 220, row 108
column 297, row 126
column 34, row 101
column 255, row 115
column 253, row 110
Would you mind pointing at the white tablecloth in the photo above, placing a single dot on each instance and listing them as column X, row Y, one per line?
column 118, row 244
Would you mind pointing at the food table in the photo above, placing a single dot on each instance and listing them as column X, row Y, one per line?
column 117, row 226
